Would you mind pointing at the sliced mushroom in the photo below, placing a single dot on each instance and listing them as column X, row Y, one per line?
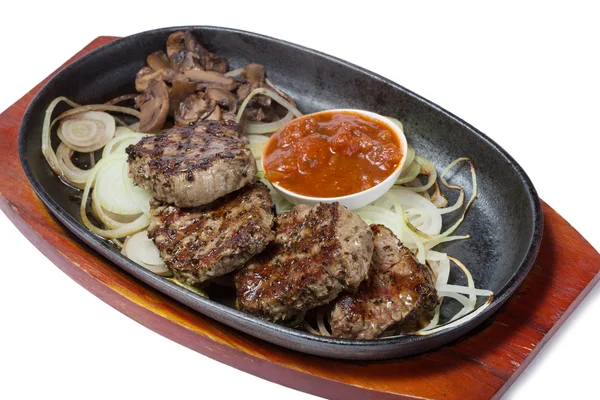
column 215, row 63
column 190, row 61
column 195, row 107
column 147, row 74
column 141, row 82
column 224, row 98
column 179, row 92
column 175, row 44
column 158, row 60
column 191, row 44
column 193, row 75
column 209, row 61
column 154, row 106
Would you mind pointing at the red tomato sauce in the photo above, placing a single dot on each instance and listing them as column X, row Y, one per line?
column 331, row 154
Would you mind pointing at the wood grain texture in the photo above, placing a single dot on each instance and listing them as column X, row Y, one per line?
column 482, row 364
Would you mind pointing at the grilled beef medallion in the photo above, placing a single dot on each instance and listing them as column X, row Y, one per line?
column 400, row 291
column 205, row 242
column 317, row 253
column 193, row 165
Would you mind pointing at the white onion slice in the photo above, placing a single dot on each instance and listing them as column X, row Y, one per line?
column 458, row 322
column 409, row 173
column 113, row 191
column 465, row 290
column 47, row 137
column 120, row 142
column 88, row 131
column 257, row 127
column 256, row 145
column 106, row 217
column 428, row 169
column 72, row 174
column 142, row 250
column 382, row 216
column 126, row 229
column 271, row 94
column 123, row 130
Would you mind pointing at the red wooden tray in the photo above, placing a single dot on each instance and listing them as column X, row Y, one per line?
column 482, row 364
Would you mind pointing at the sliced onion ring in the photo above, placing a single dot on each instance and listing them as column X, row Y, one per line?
column 113, row 191
column 127, row 229
column 71, row 173
column 257, row 127
column 275, row 96
column 142, row 250
column 46, row 134
column 88, row 131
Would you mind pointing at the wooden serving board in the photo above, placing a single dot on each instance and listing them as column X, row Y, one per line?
column 482, row 364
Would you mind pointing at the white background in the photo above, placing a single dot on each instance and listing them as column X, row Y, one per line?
column 527, row 76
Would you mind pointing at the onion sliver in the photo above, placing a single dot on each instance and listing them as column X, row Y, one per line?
column 412, row 202
column 410, row 156
column 256, row 145
column 457, row 322
column 112, row 189
column 123, row 130
column 437, row 198
column 470, row 284
column 121, row 140
column 46, row 137
column 98, row 107
column 142, row 250
column 278, row 98
column 256, row 127
column 321, row 323
column 380, row 215
column 140, row 223
column 88, row 131
column 409, row 173
column 72, row 174
column 465, row 290
column 122, row 98
column 109, row 219
column 428, row 169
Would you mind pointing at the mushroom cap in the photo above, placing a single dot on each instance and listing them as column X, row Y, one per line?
column 175, row 44
column 225, row 98
column 195, row 107
column 154, row 106
column 158, row 60
column 147, row 74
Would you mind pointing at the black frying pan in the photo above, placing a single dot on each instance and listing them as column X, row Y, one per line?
column 505, row 222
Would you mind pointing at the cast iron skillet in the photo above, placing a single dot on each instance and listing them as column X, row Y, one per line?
column 505, row 223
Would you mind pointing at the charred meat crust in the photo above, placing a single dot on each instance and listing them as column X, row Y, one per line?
column 205, row 242
column 193, row 165
column 316, row 254
column 399, row 293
